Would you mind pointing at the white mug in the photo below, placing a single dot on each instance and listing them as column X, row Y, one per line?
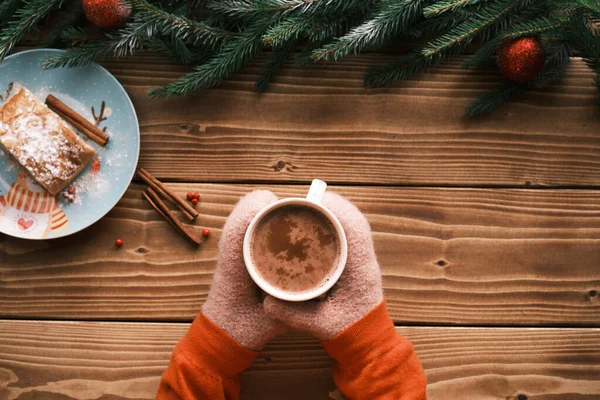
column 312, row 200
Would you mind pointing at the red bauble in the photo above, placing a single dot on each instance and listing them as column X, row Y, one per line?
column 107, row 14
column 521, row 59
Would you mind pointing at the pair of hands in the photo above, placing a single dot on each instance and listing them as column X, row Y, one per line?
column 237, row 305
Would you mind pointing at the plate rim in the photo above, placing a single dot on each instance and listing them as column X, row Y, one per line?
column 138, row 139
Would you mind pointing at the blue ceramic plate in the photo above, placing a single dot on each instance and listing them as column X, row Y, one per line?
column 26, row 210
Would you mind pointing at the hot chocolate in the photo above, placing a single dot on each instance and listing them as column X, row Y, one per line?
column 295, row 248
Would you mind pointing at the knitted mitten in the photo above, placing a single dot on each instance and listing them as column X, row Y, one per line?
column 235, row 302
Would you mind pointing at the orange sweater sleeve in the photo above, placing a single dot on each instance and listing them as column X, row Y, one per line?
column 206, row 364
column 373, row 362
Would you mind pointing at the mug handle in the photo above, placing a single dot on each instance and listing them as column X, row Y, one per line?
column 316, row 191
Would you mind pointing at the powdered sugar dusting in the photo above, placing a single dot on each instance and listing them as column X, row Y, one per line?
column 91, row 184
column 40, row 148
column 37, row 139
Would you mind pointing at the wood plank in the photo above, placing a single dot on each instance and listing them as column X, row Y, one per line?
column 321, row 121
column 448, row 256
column 60, row 360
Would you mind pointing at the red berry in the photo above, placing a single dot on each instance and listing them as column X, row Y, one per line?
column 194, row 201
column 190, row 196
column 196, row 196
column 206, row 232
column 118, row 243
column 72, row 189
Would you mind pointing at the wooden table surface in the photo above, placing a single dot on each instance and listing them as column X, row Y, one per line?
column 487, row 231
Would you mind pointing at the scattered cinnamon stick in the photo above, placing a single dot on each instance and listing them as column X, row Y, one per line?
column 156, row 203
column 187, row 210
column 82, row 124
column 157, row 186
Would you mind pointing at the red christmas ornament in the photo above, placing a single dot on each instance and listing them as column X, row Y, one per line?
column 521, row 59
column 107, row 14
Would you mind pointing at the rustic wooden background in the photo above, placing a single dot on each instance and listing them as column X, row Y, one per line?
column 487, row 230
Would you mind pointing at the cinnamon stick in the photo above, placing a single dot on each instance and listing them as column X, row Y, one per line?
column 187, row 210
column 82, row 124
column 81, row 128
column 157, row 186
column 156, row 203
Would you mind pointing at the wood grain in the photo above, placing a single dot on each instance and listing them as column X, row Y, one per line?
column 61, row 360
column 321, row 122
column 448, row 256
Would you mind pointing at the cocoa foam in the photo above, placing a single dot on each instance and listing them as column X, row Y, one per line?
column 295, row 248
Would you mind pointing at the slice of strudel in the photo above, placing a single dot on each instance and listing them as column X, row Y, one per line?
column 41, row 142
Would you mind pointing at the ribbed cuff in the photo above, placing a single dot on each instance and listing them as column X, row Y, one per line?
column 215, row 347
column 364, row 340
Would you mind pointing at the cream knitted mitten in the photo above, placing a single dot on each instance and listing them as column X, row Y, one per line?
column 235, row 302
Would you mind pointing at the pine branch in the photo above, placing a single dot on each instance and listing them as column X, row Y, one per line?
column 592, row 5
column 556, row 62
column 392, row 18
column 336, row 25
column 190, row 31
column 481, row 57
column 399, row 70
column 441, row 23
column 290, row 29
column 462, row 35
column 251, row 9
column 68, row 31
column 493, row 99
column 528, row 28
column 440, row 49
column 232, row 56
column 7, row 9
column 176, row 49
column 196, row 3
column 304, row 56
column 585, row 37
column 120, row 43
column 25, row 19
column 275, row 62
column 73, row 35
column 539, row 8
column 315, row 27
column 445, row 6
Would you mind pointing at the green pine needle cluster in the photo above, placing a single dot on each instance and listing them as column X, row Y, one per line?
column 219, row 37
column 25, row 18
